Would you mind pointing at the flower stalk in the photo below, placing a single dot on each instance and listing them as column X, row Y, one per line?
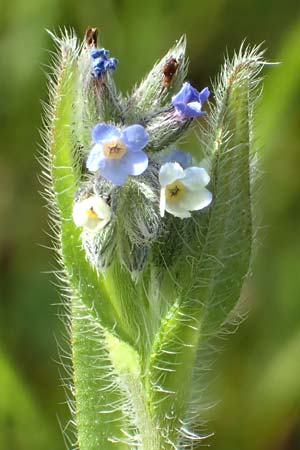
column 154, row 249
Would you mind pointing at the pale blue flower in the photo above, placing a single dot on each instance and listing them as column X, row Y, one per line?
column 118, row 153
column 189, row 102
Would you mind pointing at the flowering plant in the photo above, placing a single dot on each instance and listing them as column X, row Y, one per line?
column 154, row 249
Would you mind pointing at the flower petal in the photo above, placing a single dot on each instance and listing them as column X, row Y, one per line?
column 135, row 163
column 186, row 94
column 182, row 95
column 99, row 53
column 101, row 208
column 170, row 172
column 135, row 137
column 96, row 158
column 193, row 94
column 114, row 171
column 180, row 107
column 195, row 200
column 117, row 171
column 104, row 133
column 195, row 177
column 162, row 202
column 177, row 210
column 189, row 101
column 92, row 213
column 204, row 94
column 193, row 109
column 79, row 212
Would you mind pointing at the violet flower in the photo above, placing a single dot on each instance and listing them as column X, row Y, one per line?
column 189, row 102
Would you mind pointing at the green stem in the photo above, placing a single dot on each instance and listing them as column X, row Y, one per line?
column 127, row 365
column 98, row 414
column 171, row 369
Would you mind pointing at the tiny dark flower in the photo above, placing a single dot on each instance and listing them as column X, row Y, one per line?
column 189, row 102
column 102, row 62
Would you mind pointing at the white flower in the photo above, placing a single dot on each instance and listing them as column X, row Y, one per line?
column 92, row 213
column 183, row 190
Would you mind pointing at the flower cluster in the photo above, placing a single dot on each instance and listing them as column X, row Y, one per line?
column 119, row 152
column 102, row 62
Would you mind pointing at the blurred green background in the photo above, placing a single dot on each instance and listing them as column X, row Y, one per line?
column 257, row 374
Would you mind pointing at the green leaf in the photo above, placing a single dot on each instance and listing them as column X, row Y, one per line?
column 218, row 274
column 91, row 308
column 210, row 282
column 171, row 368
column 64, row 172
column 99, row 417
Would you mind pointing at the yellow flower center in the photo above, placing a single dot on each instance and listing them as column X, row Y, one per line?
column 114, row 150
column 92, row 215
column 175, row 191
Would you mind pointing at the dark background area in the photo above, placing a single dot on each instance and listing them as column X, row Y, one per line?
column 257, row 375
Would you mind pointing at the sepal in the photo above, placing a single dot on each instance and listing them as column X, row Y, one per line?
column 162, row 82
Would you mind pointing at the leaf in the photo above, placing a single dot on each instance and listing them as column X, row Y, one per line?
column 62, row 174
column 210, row 282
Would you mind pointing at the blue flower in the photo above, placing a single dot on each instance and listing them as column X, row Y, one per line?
column 118, row 153
column 102, row 62
column 183, row 158
column 189, row 102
